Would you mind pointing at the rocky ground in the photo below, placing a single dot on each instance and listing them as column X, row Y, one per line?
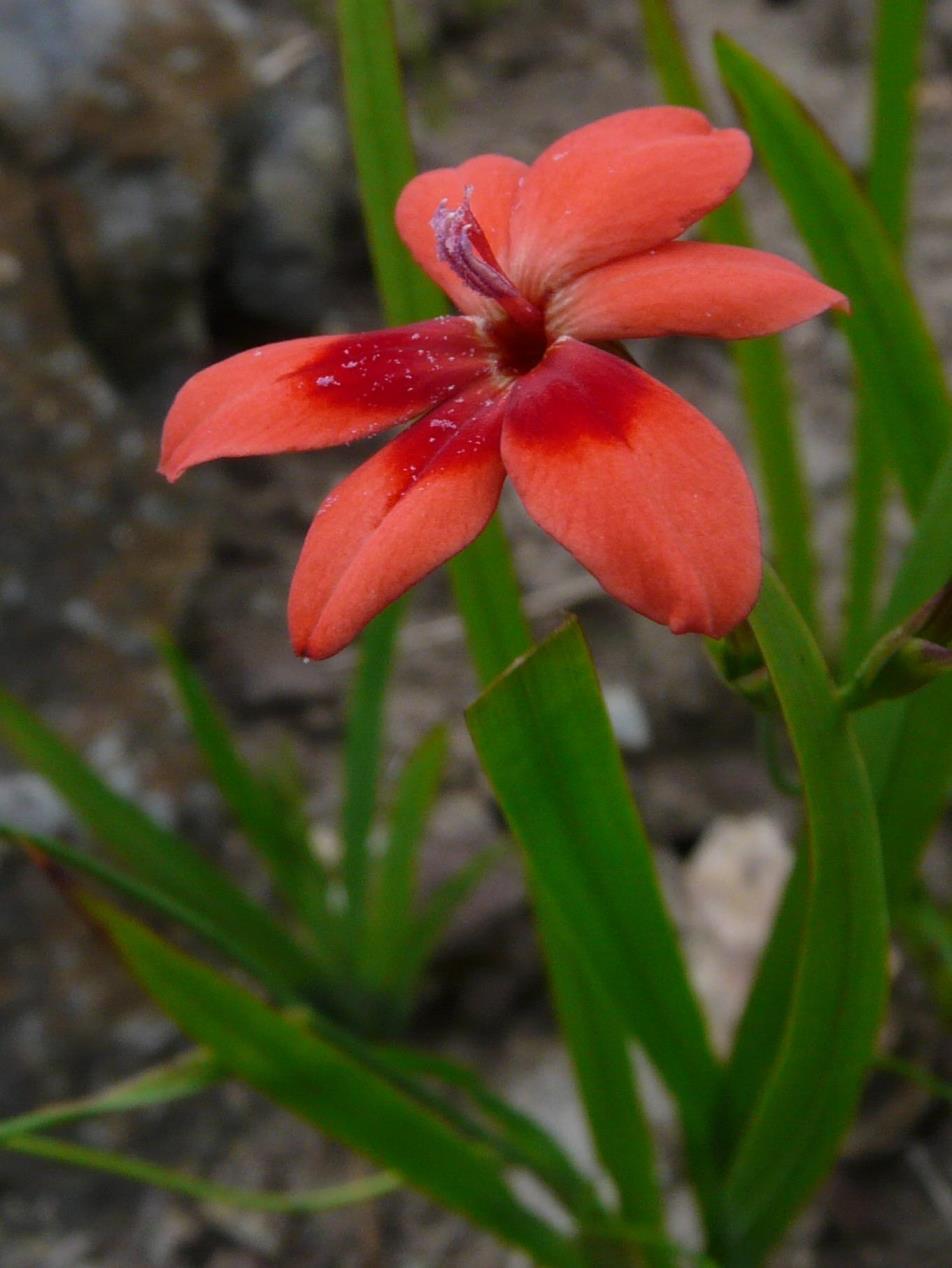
column 175, row 185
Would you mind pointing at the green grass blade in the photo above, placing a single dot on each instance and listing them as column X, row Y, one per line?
column 897, row 53
column 157, row 857
column 761, row 364
column 186, row 1075
column 869, row 490
column 331, row 1198
column 893, row 351
column 564, row 792
column 487, row 595
column 421, row 936
column 599, row 1047
column 907, row 744
column 927, row 562
column 272, row 824
column 363, row 744
column 128, row 886
column 393, row 893
column 913, row 789
column 896, row 56
column 328, row 1088
column 376, row 110
column 811, row 1093
column 519, row 1137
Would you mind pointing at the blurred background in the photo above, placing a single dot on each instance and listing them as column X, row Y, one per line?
column 175, row 185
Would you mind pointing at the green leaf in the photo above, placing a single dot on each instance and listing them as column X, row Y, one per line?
column 422, row 935
column 894, row 354
column 154, row 855
column 897, row 50
column 327, row 1087
column 161, row 869
column 599, row 1048
column 313, row 1202
column 813, row 1086
column 363, row 744
column 897, row 55
column 545, row 742
column 939, row 1088
column 907, row 744
column 761, row 364
column 517, row 1136
column 376, row 112
column 393, row 894
column 186, row 1075
column 487, row 595
column 869, row 492
column 912, row 746
column 269, row 820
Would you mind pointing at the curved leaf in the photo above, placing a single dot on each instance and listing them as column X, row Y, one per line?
column 811, row 1093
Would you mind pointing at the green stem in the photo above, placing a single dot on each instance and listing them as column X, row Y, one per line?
column 896, row 56
column 363, row 743
column 309, row 1202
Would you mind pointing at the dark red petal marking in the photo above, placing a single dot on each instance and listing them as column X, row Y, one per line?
column 617, row 187
column 690, row 288
column 311, row 393
column 638, row 485
column 409, row 508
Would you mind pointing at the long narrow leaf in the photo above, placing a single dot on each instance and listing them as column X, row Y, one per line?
column 422, row 935
column 186, row 1075
column 519, row 1137
column 896, row 58
column 487, row 595
column 159, row 858
column 907, row 744
column 897, row 49
column 835, row 1010
column 331, row 1198
column 895, row 357
column 376, row 110
column 545, row 741
column 761, row 364
column 393, row 894
column 324, row 1086
column 363, row 744
column 600, row 1052
column 270, row 823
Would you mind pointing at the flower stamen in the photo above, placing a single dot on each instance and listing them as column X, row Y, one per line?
column 461, row 243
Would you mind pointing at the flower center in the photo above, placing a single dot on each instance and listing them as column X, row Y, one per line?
column 461, row 242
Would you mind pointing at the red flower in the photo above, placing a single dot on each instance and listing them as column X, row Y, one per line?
column 637, row 484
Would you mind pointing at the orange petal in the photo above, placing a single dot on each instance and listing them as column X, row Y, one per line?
column 409, row 508
column 639, row 486
column 494, row 180
column 311, row 393
column 619, row 186
column 690, row 288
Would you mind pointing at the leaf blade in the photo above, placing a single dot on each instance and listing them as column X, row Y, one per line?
column 154, row 855
column 565, row 795
column 811, row 1091
column 327, row 1087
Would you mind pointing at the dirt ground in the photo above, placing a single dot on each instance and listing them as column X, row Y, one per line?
column 175, row 185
